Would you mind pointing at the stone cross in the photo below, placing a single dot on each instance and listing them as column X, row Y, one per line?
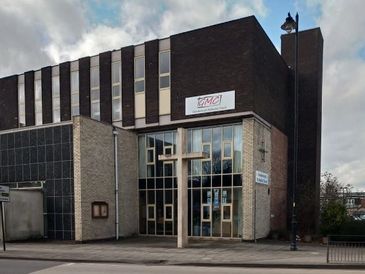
column 181, row 158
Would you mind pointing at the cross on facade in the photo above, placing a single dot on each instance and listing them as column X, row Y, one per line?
column 181, row 158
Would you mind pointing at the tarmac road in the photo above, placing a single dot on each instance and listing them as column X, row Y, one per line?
column 47, row 267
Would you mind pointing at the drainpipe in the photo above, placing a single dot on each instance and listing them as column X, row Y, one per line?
column 115, row 135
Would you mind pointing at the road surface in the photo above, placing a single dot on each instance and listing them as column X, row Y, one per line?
column 46, row 267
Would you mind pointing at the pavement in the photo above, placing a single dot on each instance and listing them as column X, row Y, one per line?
column 163, row 251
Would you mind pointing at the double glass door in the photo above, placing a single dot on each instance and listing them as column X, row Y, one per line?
column 214, row 212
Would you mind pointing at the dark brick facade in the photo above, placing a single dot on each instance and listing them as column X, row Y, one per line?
column 29, row 98
column 84, row 86
column 128, row 86
column 65, row 91
column 9, row 102
column 152, row 81
column 231, row 56
column 105, row 60
column 47, row 95
column 309, row 124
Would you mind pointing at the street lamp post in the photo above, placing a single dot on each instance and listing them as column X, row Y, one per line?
column 289, row 25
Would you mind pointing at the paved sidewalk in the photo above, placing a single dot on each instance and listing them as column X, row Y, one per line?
column 146, row 250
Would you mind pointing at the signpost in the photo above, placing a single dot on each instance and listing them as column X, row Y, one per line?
column 4, row 197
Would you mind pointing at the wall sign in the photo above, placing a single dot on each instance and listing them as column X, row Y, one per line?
column 210, row 103
column 4, row 194
column 262, row 178
column 99, row 210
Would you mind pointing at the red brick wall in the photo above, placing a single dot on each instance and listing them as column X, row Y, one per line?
column 278, row 188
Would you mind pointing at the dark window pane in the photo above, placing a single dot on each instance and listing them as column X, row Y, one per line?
column 196, row 182
column 227, row 166
column 227, row 180
column 216, row 181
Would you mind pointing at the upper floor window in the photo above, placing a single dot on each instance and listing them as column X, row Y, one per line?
column 95, row 93
column 116, row 91
column 75, row 103
column 21, row 105
column 164, row 65
column 38, row 102
column 139, row 74
column 56, row 99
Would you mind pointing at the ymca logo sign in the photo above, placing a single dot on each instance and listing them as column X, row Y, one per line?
column 210, row 103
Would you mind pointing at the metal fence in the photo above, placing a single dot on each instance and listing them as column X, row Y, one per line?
column 346, row 249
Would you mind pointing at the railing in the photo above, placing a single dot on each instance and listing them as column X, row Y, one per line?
column 346, row 249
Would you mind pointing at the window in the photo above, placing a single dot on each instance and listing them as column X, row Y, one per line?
column 75, row 103
column 56, row 99
column 206, row 211
column 116, row 91
column 99, row 210
column 139, row 74
column 169, row 209
column 151, row 212
column 38, row 102
column 164, row 69
column 227, row 150
column 95, row 93
column 227, row 212
column 21, row 107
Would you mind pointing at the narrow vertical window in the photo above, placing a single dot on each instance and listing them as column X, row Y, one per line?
column 116, row 91
column 21, row 105
column 56, row 99
column 38, row 102
column 164, row 67
column 139, row 74
column 75, row 105
column 95, row 93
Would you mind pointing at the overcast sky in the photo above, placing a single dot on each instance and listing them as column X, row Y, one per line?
column 37, row 33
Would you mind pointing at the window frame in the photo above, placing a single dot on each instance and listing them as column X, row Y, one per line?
column 165, row 73
column 21, row 105
column 95, row 115
column 38, row 108
column 75, row 92
column 117, row 84
column 140, row 78
column 55, row 99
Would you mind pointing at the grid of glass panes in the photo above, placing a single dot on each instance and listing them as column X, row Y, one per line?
column 56, row 99
column 164, row 68
column 38, row 102
column 116, row 91
column 139, row 72
column 95, row 93
column 21, row 102
column 75, row 102
column 215, row 183
column 157, row 184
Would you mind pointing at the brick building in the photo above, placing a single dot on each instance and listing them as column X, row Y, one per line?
column 98, row 134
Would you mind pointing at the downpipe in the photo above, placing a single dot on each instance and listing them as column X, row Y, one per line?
column 116, row 175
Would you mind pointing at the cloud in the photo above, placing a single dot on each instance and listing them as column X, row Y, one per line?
column 41, row 32
column 343, row 142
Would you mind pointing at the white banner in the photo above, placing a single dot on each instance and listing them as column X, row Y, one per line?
column 210, row 103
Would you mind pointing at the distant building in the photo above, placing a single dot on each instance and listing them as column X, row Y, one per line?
column 226, row 85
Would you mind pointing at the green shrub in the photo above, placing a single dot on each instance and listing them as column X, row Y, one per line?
column 333, row 217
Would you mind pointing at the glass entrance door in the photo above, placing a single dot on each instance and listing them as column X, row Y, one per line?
column 216, row 213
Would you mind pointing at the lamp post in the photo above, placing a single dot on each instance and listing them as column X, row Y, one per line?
column 289, row 25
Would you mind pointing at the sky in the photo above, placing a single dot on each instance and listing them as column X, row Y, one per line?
column 37, row 33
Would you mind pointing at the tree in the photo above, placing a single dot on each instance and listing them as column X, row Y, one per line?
column 333, row 204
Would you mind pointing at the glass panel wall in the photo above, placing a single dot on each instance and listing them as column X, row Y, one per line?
column 214, row 183
column 157, row 184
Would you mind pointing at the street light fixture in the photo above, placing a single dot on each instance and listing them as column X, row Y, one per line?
column 289, row 25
